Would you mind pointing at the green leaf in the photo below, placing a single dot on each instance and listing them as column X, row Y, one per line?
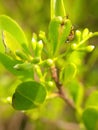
column 59, row 30
column 65, row 31
column 23, row 66
column 28, row 95
column 92, row 100
column 9, row 65
column 68, row 73
column 54, row 27
column 90, row 118
column 85, row 33
column 57, row 8
column 9, row 25
column 11, row 42
column 76, row 90
column 2, row 49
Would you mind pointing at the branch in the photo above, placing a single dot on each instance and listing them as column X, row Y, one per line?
column 60, row 87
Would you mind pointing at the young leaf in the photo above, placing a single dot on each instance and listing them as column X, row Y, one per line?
column 59, row 30
column 57, row 8
column 39, row 47
column 65, row 31
column 9, row 25
column 23, row 66
column 76, row 90
column 10, row 42
column 9, row 65
column 28, row 95
column 90, row 118
column 68, row 73
column 54, row 33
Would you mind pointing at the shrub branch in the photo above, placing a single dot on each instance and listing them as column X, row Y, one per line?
column 60, row 87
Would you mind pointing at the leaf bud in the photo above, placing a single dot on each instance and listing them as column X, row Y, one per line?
column 50, row 83
column 21, row 55
column 39, row 47
column 74, row 46
column 78, row 35
column 33, row 43
column 35, row 60
column 38, row 71
column 23, row 66
column 50, row 62
column 42, row 34
column 85, row 33
column 90, row 34
column 90, row 48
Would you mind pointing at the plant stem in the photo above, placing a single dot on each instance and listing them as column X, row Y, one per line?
column 59, row 86
column 52, row 8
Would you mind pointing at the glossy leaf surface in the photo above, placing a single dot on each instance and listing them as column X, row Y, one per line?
column 28, row 95
column 9, row 25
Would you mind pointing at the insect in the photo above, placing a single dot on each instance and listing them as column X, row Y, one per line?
column 71, row 35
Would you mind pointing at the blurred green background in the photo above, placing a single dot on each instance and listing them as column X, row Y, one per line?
column 33, row 16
